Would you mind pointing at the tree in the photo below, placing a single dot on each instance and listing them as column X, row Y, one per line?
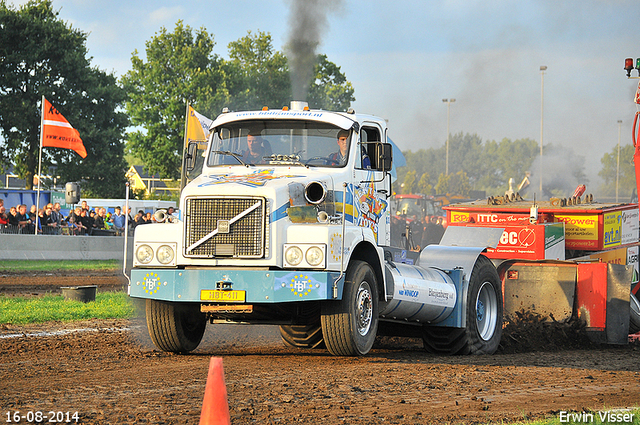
column 258, row 73
column 408, row 182
column 42, row 55
column 424, row 186
column 627, row 177
column 487, row 165
column 330, row 90
column 179, row 67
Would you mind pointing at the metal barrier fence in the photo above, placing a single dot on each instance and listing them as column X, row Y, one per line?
column 50, row 230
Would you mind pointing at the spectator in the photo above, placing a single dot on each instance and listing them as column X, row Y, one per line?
column 140, row 218
column 74, row 229
column 25, row 224
column 118, row 220
column 13, row 216
column 32, row 213
column 56, row 214
column 79, row 220
column 41, row 220
column 98, row 220
column 89, row 218
column 85, row 207
column 132, row 222
column 148, row 218
column 4, row 219
column 49, row 224
column 75, row 214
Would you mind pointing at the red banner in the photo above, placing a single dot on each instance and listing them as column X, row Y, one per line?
column 58, row 133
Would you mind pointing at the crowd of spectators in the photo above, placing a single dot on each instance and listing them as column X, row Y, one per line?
column 82, row 220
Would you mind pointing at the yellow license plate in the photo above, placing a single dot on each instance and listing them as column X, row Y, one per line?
column 224, row 296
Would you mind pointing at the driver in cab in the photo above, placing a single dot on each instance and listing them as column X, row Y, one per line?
column 340, row 157
column 258, row 148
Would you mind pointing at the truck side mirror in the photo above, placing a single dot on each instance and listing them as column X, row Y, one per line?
column 190, row 156
column 384, row 156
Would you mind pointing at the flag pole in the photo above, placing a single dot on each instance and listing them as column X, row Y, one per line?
column 39, row 165
column 183, row 173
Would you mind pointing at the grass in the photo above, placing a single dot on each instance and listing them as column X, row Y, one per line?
column 108, row 305
column 59, row 265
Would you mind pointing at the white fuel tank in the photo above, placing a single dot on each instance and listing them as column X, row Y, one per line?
column 423, row 295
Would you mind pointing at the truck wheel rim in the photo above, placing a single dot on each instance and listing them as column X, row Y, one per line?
column 364, row 309
column 486, row 311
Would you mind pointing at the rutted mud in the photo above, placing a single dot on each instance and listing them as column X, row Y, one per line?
column 110, row 373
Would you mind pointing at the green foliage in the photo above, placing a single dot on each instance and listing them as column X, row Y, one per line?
column 43, row 55
column 139, row 194
column 627, row 177
column 51, row 265
column 424, row 186
column 453, row 184
column 330, row 90
column 258, row 74
column 179, row 67
column 408, row 182
column 473, row 164
column 108, row 305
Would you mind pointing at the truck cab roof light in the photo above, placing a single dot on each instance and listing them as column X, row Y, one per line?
column 285, row 108
column 628, row 66
column 265, row 108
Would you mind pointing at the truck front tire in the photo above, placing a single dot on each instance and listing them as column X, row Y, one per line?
column 350, row 325
column 175, row 327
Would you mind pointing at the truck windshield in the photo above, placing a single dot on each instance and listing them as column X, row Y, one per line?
column 279, row 142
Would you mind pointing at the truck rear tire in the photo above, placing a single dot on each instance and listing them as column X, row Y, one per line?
column 302, row 336
column 175, row 327
column 483, row 329
column 350, row 325
column 634, row 310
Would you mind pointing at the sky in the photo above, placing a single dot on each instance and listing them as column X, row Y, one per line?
column 404, row 57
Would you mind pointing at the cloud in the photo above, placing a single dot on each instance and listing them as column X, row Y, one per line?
column 166, row 14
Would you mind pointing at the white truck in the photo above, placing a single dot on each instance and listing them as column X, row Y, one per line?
column 291, row 232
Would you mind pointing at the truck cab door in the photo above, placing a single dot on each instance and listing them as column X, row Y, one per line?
column 372, row 184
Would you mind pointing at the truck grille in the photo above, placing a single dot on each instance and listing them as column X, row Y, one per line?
column 225, row 227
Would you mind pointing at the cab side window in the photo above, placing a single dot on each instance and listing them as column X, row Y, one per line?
column 369, row 138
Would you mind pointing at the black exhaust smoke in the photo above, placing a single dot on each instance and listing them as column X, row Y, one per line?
column 307, row 23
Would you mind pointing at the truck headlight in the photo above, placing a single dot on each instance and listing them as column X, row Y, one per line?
column 144, row 254
column 314, row 256
column 165, row 254
column 293, row 255
column 304, row 255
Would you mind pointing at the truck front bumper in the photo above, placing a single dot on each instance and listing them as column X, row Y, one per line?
column 254, row 286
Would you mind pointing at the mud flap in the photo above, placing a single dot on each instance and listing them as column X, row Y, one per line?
column 603, row 301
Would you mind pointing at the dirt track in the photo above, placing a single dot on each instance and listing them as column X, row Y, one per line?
column 110, row 373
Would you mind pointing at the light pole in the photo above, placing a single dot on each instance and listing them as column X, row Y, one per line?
column 446, row 164
column 618, row 163
column 542, row 69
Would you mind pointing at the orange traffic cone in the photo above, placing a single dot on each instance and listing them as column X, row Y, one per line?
column 215, row 408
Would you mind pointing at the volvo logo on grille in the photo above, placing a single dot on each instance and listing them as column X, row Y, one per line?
column 223, row 226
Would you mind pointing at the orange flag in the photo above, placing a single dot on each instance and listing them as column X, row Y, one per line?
column 58, row 133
